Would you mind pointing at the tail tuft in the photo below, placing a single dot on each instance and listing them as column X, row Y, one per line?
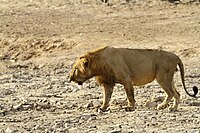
column 195, row 89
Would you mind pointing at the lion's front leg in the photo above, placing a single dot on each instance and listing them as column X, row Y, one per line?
column 107, row 93
column 130, row 96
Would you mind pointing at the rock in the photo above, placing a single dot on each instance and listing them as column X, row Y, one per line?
column 58, row 124
column 116, row 131
column 62, row 130
column 122, row 102
column 73, row 106
column 36, row 127
column 85, row 117
column 8, row 130
column 72, row 130
column 27, row 106
column 150, row 104
column 157, row 98
column 116, row 128
column 6, row 92
column 88, row 117
column 93, row 117
column 89, row 105
column 42, row 106
column 17, row 107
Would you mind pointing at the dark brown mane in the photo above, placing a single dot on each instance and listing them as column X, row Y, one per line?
column 102, row 72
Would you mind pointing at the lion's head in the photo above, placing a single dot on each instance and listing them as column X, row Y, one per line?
column 81, row 71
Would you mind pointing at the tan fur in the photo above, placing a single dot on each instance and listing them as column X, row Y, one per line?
column 129, row 67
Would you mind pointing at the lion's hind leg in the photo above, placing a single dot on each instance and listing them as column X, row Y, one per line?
column 166, row 84
column 168, row 98
column 176, row 98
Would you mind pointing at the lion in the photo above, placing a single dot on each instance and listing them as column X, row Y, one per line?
column 130, row 67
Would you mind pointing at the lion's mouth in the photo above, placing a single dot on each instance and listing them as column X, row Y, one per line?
column 80, row 83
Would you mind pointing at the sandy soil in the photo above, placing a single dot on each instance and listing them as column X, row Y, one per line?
column 41, row 39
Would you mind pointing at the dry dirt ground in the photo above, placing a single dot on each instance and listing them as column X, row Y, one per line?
column 41, row 39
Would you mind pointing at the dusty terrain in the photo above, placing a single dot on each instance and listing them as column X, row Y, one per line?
column 41, row 39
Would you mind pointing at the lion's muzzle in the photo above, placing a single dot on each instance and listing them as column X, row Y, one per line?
column 71, row 78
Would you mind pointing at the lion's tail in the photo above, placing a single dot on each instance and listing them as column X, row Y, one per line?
column 195, row 89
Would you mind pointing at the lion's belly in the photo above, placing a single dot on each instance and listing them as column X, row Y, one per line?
column 139, row 80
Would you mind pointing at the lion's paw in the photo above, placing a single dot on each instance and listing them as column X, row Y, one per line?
column 172, row 108
column 100, row 110
column 161, row 106
column 129, row 109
